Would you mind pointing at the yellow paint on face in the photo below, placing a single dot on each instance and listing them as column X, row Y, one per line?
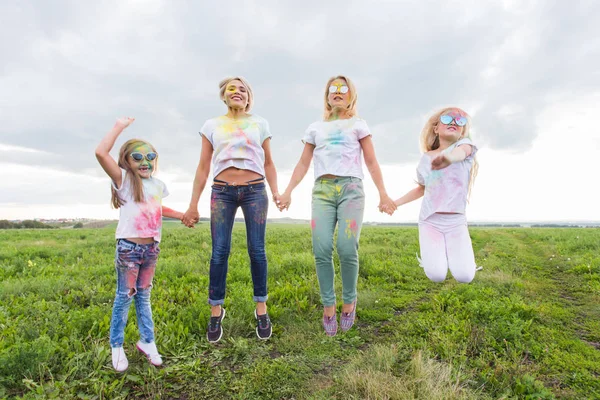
column 144, row 149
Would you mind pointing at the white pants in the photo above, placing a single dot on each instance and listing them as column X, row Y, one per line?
column 445, row 243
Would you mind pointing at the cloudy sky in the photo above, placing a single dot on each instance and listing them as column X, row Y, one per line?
column 527, row 71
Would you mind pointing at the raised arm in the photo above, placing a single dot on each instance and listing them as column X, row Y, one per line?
column 108, row 164
column 270, row 170
column 299, row 172
column 386, row 204
column 458, row 154
column 191, row 216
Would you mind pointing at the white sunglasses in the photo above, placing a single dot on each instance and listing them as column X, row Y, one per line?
column 342, row 89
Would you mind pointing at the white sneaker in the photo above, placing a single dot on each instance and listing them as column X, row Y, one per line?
column 150, row 351
column 119, row 360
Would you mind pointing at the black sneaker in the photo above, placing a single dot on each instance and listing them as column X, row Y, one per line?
column 264, row 329
column 215, row 329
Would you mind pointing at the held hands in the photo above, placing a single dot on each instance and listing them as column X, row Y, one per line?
column 124, row 122
column 191, row 217
column 387, row 205
column 276, row 199
column 285, row 200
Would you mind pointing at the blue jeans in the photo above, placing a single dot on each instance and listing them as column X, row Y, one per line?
column 135, row 265
column 224, row 202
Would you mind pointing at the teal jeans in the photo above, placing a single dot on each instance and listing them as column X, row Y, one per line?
column 337, row 201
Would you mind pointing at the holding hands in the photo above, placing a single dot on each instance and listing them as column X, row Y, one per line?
column 276, row 198
column 387, row 205
column 284, row 201
column 190, row 217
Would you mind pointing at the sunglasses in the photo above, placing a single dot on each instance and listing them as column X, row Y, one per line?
column 140, row 157
column 447, row 120
column 341, row 88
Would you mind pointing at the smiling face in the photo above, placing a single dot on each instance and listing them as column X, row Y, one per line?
column 236, row 95
column 336, row 96
column 143, row 168
column 450, row 132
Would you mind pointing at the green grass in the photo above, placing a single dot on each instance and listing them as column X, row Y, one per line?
column 528, row 327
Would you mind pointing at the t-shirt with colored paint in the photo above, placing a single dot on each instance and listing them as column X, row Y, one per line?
column 337, row 146
column 237, row 142
column 140, row 220
column 446, row 189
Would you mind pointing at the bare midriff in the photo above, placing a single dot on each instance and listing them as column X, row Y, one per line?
column 328, row 176
column 141, row 240
column 238, row 176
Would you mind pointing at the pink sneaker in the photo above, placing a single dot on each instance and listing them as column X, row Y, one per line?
column 347, row 319
column 330, row 324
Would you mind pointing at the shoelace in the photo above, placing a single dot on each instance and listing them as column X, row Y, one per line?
column 214, row 324
column 263, row 321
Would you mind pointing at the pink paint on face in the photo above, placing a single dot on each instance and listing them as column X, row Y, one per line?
column 313, row 224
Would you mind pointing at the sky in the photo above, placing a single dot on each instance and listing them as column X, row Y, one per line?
column 528, row 72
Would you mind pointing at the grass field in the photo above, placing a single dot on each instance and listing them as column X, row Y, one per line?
column 528, row 327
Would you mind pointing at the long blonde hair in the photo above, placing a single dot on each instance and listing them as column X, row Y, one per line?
column 223, row 85
column 351, row 108
column 430, row 140
column 137, row 187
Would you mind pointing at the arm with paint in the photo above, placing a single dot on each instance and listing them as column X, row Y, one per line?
column 191, row 216
column 412, row 195
column 445, row 158
column 108, row 164
column 299, row 172
column 386, row 204
column 170, row 213
column 270, row 170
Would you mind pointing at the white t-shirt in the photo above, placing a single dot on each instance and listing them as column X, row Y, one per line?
column 140, row 220
column 446, row 189
column 237, row 142
column 337, row 146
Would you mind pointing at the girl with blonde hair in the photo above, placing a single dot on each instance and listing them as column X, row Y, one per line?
column 445, row 176
column 239, row 144
column 338, row 199
column 138, row 196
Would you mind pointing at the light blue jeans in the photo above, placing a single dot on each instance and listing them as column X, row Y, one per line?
column 135, row 265
column 337, row 201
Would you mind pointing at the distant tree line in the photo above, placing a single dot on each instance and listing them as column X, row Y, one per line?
column 27, row 224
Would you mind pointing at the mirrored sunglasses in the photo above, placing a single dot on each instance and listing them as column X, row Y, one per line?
column 342, row 89
column 447, row 120
column 139, row 156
